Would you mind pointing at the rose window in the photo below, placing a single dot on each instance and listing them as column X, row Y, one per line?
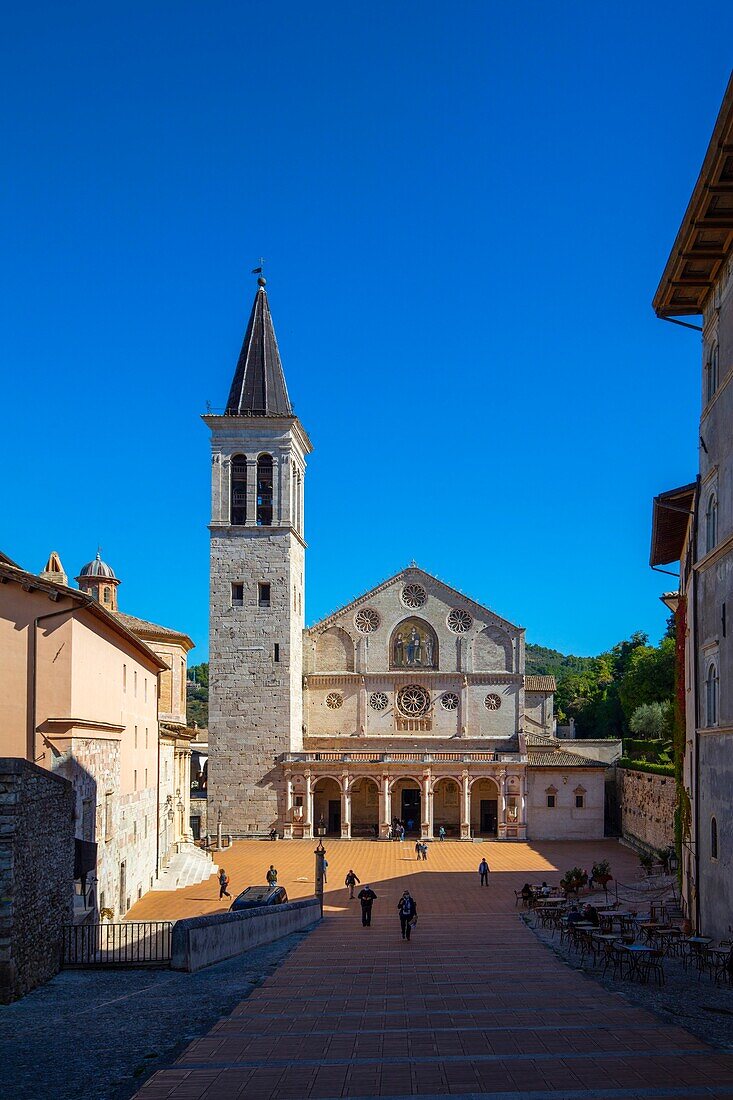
column 334, row 700
column 413, row 701
column 492, row 701
column 378, row 700
column 449, row 701
column 459, row 620
column 414, row 595
column 366, row 620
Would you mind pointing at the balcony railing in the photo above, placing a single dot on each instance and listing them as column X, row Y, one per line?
column 332, row 757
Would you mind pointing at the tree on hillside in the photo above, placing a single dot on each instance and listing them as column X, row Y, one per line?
column 648, row 677
column 652, row 721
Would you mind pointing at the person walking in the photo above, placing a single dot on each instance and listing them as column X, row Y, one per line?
column 441, row 833
column 351, row 881
column 223, row 884
column 425, row 853
column 271, row 876
column 325, row 869
column 367, row 897
column 407, row 910
column 483, row 871
column 418, row 849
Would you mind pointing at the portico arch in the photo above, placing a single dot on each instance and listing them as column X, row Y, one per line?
column 364, row 792
column 484, row 807
column 406, row 802
column 447, row 805
column 327, row 805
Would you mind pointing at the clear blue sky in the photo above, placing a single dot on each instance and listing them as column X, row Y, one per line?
column 465, row 209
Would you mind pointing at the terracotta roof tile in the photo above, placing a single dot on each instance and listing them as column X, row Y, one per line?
column 540, row 683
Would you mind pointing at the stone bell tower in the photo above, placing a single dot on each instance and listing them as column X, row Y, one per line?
column 258, row 460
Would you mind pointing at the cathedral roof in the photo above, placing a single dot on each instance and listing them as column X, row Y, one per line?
column 258, row 387
column 540, row 683
column 147, row 630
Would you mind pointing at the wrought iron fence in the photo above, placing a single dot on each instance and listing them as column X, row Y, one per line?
column 129, row 943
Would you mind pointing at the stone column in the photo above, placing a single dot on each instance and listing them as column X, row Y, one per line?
column 386, row 815
column 288, row 822
column 251, row 492
column 186, row 790
column 501, row 808
column 219, row 488
column 522, row 823
column 463, row 712
column 426, row 825
column 361, row 704
column 465, row 807
column 345, row 806
column 308, row 823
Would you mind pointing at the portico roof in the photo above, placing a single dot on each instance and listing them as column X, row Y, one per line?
column 705, row 238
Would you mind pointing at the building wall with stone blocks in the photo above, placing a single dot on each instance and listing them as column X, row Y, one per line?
column 121, row 823
column 647, row 805
column 36, row 874
column 255, row 651
column 470, row 665
column 565, row 820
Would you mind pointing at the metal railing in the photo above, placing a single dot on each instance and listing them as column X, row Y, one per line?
column 133, row 943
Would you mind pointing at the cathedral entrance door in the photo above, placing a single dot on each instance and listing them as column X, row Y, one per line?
column 411, row 809
column 334, row 816
column 489, row 817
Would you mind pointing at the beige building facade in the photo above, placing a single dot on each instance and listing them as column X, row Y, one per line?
column 409, row 704
column 80, row 696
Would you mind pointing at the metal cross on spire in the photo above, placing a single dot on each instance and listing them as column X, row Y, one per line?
column 260, row 271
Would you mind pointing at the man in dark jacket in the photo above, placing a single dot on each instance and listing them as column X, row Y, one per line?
column 367, row 897
column 351, row 881
column 408, row 912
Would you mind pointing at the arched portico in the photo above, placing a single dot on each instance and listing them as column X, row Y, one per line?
column 406, row 802
column 364, row 799
column 327, row 808
column 447, row 805
column 485, row 808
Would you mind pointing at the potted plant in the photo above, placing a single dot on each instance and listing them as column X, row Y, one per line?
column 574, row 879
column 602, row 873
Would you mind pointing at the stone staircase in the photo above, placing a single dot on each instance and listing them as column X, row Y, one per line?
column 188, row 867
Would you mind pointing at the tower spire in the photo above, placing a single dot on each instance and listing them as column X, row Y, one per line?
column 258, row 387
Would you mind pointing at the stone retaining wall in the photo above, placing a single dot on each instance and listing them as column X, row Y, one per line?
column 647, row 804
column 36, row 874
column 202, row 941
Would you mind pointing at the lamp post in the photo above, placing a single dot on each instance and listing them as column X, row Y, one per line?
column 320, row 854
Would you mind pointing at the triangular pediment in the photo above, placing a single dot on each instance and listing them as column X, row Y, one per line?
column 413, row 574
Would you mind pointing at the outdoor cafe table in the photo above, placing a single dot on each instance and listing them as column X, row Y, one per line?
column 635, row 951
column 697, row 947
column 615, row 915
column 664, row 936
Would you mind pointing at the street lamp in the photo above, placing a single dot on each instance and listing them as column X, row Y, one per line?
column 320, row 854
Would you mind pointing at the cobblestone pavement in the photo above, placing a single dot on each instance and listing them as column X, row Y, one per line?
column 474, row 1005
column 96, row 1035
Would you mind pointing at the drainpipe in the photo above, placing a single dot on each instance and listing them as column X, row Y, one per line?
column 31, row 721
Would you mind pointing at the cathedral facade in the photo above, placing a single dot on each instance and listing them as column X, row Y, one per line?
column 409, row 704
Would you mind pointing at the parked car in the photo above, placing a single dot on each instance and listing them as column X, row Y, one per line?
column 254, row 896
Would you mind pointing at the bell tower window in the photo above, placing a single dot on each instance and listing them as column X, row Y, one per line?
column 264, row 491
column 238, row 501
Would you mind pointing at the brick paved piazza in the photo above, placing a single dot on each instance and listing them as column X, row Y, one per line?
column 474, row 1005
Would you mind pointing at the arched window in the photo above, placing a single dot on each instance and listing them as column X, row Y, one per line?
column 712, row 373
column 264, row 491
column 713, row 838
column 105, row 595
column 238, row 496
column 711, row 523
column 711, row 695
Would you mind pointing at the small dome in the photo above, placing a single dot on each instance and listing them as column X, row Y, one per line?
column 97, row 568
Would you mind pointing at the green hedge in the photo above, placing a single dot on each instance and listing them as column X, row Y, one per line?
column 637, row 746
column 642, row 766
